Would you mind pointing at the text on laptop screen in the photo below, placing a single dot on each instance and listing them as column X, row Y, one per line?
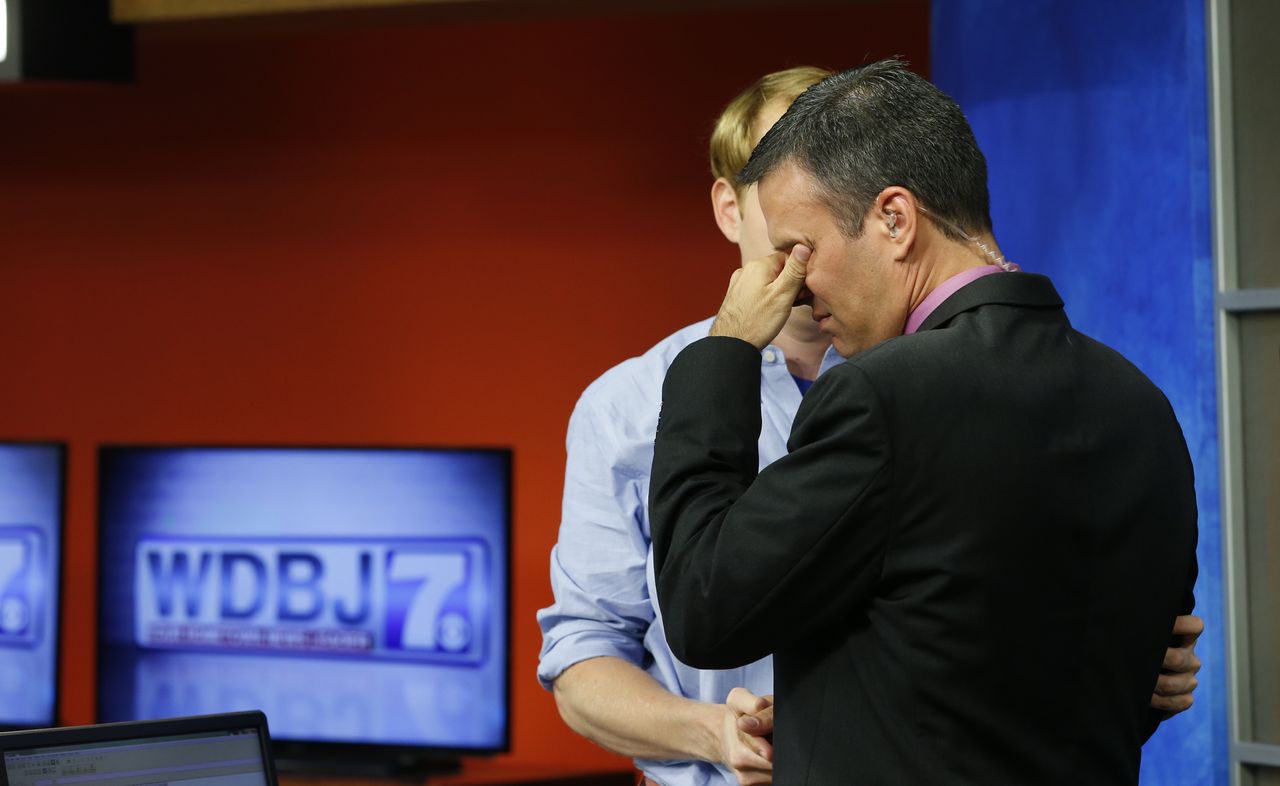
column 218, row 758
column 30, row 527
column 354, row 596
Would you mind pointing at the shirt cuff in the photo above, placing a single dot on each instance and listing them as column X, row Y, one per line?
column 576, row 647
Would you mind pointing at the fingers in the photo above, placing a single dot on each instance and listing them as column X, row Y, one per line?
column 763, row 270
column 744, row 702
column 1181, row 660
column 783, row 283
column 752, row 755
column 778, row 270
column 744, row 753
column 749, row 766
column 762, row 752
column 759, row 299
column 1175, row 684
column 1188, row 627
column 756, row 713
column 1172, row 703
column 748, row 755
column 758, row 724
column 754, row 777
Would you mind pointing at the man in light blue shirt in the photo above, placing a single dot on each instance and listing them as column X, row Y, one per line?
column 604, row 650
column 616, row 682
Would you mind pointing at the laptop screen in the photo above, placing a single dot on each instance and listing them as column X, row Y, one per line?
column 211, row 758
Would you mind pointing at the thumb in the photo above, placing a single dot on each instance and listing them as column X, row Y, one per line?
column 797, row 264
column 789, row 282
column 744, row 702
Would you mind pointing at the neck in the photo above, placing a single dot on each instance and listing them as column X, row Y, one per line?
column 942, row 259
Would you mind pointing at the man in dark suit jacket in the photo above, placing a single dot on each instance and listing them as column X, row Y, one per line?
column 964, row 509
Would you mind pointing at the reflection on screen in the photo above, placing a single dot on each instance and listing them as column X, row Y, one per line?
column 352, row 595
column 30, row 524
column 219, row 758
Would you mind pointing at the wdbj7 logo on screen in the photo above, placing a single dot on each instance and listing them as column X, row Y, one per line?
column 406, row 599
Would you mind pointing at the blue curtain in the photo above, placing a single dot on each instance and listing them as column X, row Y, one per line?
column 1093, row 115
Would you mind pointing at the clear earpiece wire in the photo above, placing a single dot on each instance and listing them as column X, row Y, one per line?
column 987, row 251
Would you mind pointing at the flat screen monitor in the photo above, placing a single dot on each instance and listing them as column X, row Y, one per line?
column 31, row 505
column 357, row 596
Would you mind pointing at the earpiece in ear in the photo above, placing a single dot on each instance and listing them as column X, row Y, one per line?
column 892, row 223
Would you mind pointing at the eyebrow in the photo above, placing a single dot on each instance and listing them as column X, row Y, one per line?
column 788, row 239
column 786, row 245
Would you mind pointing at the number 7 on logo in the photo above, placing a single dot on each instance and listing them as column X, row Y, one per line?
column 423, row 612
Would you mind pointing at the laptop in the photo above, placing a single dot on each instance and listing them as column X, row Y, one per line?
column 230, row 749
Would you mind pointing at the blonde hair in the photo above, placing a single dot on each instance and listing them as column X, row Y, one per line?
column 734, row 135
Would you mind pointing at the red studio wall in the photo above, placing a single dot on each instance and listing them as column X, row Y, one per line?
column 426, row 234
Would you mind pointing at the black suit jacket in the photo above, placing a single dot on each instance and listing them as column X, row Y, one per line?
column 968, row 565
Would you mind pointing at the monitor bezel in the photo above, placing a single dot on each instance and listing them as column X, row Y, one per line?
column 323, row 750
column 123, row 730
column 59, row 580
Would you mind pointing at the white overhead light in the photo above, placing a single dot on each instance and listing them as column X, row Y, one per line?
column 4, row 30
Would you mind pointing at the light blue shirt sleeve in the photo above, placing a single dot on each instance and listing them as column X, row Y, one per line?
column 602, row 605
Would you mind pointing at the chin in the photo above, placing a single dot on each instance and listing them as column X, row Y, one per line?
column 849, row 348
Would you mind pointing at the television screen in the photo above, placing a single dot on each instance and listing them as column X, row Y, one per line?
column 31, row 492
column 356, row 596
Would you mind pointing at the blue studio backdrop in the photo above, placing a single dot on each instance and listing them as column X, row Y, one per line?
column 1094, row 119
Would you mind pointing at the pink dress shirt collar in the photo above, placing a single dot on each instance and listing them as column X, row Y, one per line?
column 945, row 290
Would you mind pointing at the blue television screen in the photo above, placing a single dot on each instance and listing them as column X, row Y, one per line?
column 353, row 595
column 31, row 492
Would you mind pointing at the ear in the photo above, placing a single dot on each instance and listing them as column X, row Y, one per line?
column 896, row 218
column 728, row 213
